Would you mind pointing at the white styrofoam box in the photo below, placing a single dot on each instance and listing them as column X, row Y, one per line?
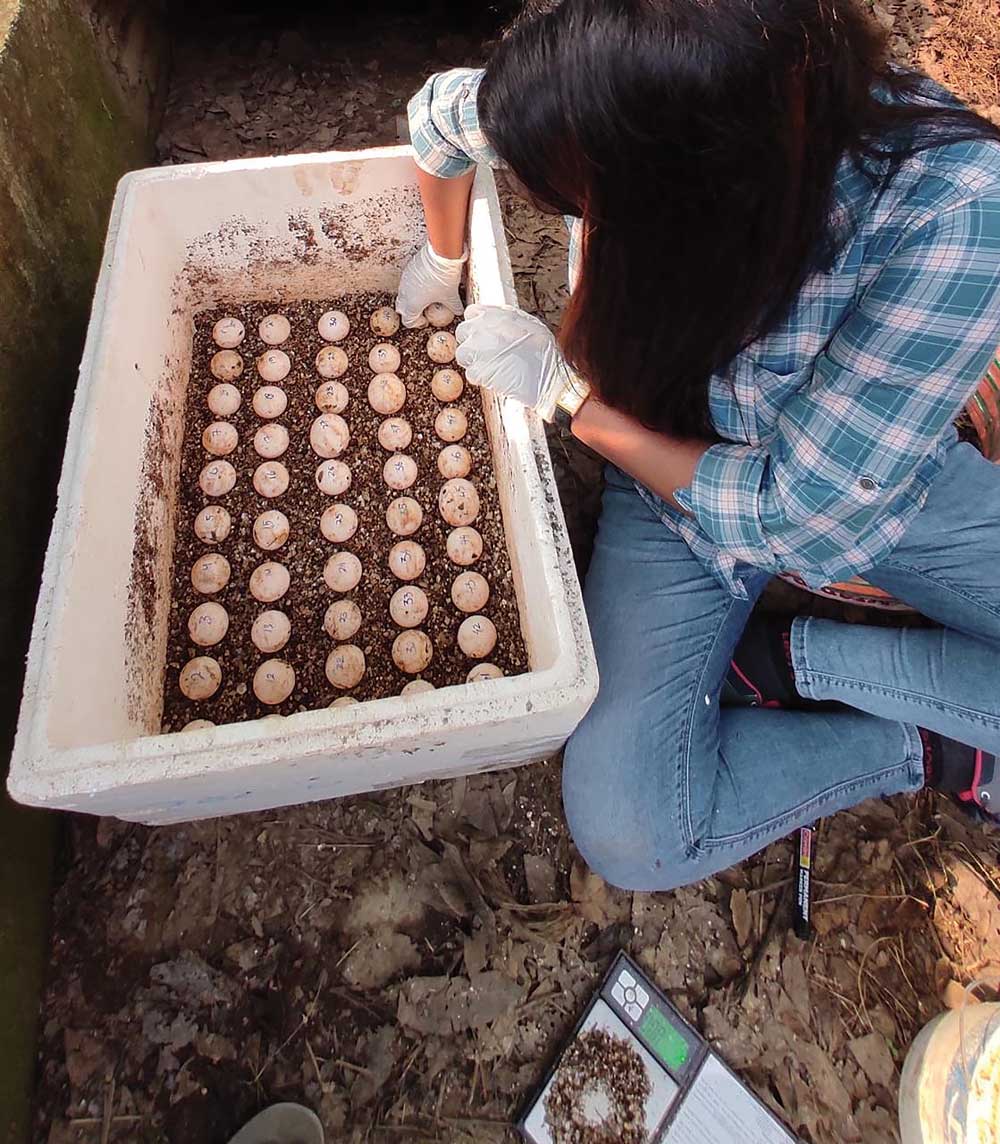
column 182, row 239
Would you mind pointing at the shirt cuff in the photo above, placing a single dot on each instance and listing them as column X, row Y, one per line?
column 724, row 499
column 433, row 152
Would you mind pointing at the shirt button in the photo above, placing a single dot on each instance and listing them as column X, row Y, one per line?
column 869, row 484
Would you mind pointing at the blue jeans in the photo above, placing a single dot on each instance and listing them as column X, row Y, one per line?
column 662, row 787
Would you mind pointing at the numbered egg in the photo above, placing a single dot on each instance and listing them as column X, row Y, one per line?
column 477, row 636
column 226, row 365
column 345, row 666
column 438, row 315
column 200, row 677
column 217, row 478
column 338, row 523
column 210, row 573
column 384, row 322
column 213, row 524
column 404, row 516
column 273, row 681
column 270, row 632
column 224, row 399
column 270, row 479
column 228, row 333
column 483, row 671
column 269, row 401
column 273, row 365
column 399, row 471
column 394, row 434
column 208, row 624
column 274, row 329
column 417, row 687
column 333, row 326
column 458, row 501
column 464, row 546
column 454, row 461
column 270, row 530
column 384, row 358
column 407, row 560
column 451, row 424
column 441, row 347
column 409, row 606
column 329, row 435
column 412, row 651
column 270, row 441
column 386, row 393
column 269, row 582
column 342, row 620
column 343, row 701
column 220, row 438
column 332, row 397
column 333, row 478
column 469, row 592
column 447, row 385
column 342, row 572
column 331, row 361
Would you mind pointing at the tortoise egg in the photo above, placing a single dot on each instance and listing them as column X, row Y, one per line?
column 224, row 399
column 274, row 329
column 269, row 582
column 458, row 501
column 213, row 524
column 417, row 687
column 342, row 572
column 343, row 701
column 208, row 624
column 345, row 666
column 338, row 523
column 394, row 434
column 412, row 651
column 386, row 393
column 404, row 516
column 333, row 326
column 220, row 438
column 270, row 530
column 447, row 385
column 409, row 606
column 332, row 397
column 451, row 424
column 333, row 478
column 270, row 441
column 407, row 560
column 441, row 347
column 270, row 401
column 200, row 677
column 399, row 471
column 270, row 479
column 384, row 358
column 469, row 592
column 438, row 315
column 477, row 636
column 217, row 478
column 228, row 333
column 329, row 435
column 464, row 545
column 454, row 461
column 198, row 725
column 273, row 681
column 384, row 322
column 331, row 361
column 273, row 365
column 483, row 671
column 210, row 573
column 271, row 631
column 342, row 620
column 226, row 365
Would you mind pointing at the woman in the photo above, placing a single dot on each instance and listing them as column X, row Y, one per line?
column 786, row 269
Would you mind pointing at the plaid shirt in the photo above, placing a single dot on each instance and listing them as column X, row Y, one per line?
column 835, row 423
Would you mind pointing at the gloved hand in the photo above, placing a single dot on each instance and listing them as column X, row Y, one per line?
column 428, row 278
column 512, row 353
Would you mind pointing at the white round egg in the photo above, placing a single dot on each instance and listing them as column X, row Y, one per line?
column 271, row 530
column 338, row 523
column 409, row 606
column 464, row 546
column 417, row 687
column 220, row 438
column 208, row 624
column 333, row 326
column 213, row 524
column 269, row 401
column 273, row 681
column 224, row 399
column 451, row 424
column 447, row 385
column 332, row 397
column 384, row 322
column 228, row 333
column 200, row 677
column 226, row 365
column 441, row 347
column 470, row 592
column 217, row 478
column 210, row 573
column 400, row 471
column 270, row 479
column 273, row 365
column 407, row 560
column 270, row 441
column 331, row 361
column 342, row 572
column 329, row 435
column 477, row 636
column 342, row 620
column 458, row 501
column 274, row 329
column 404, row 516
column 270, row 632
column 454, row 461
column 386, row 393
column 269, row 582
column 483, row 671
column 412, row 651
column 394, row 434
column 438, row 315
column 333, row 478
column 345, row 666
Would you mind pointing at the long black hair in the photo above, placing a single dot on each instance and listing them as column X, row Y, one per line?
column 699, row 141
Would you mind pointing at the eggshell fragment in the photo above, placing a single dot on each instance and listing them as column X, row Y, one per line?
column 399, row 471
column 409, row 606
column 210, row 573
column 407, row 560
column 273, row 365
column 200, row 677
column 208, row 624
column 269, row 582
column 333, row 326
column 273, row 681
column 331, row 361
column 447, row 385
column 345, row 666
column 338, row 523
column 342, row 620
column 451, row 424
column 470, row 592
column 438, row 315
column 270, row 530
column 384, row 358
column 458, row 501
column 270, row 441
column 454, row 461
column 270, row 479
column 329, row 435
column 394, row 434
column 441, row 346
column 224, row 399
column 342, row 572
column 417, row 687
column 270, row 632
column 483, row 671
column 386, row 393
column 464, row 546
column 226, row 365
column 269, row 401
column 412, row 651
column 274, row 329
column 477, row 636
column 333, row 478
column 213, row 524
column 217, row 478
column 332, row 397
column 404, row 516
column 384, row 322
column 228, row 333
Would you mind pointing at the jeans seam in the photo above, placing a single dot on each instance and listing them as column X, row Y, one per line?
column 941, row 582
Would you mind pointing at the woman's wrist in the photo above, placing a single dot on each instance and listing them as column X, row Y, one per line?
column 446, row 211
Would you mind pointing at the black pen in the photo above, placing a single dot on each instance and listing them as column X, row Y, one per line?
column 803, row 888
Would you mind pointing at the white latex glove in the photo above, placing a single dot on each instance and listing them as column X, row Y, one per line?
column 512, row 353
column 428, row 278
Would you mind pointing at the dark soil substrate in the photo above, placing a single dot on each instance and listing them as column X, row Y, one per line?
column 306, row 551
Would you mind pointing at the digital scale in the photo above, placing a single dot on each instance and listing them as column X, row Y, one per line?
column 692, row 1096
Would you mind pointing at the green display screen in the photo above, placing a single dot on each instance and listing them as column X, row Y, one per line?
column 669, row 1045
